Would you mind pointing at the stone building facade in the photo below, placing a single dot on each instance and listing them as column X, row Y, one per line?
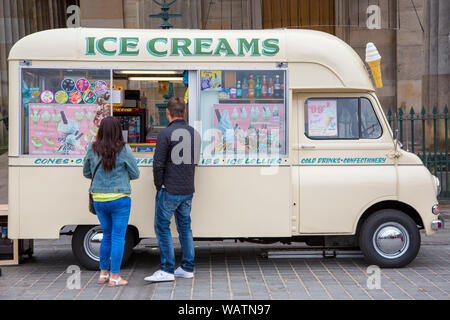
column 436, row 75
column 19, row 18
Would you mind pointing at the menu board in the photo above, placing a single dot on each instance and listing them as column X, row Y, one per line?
column 64, row 129
column 322, row 118
column 249, row 128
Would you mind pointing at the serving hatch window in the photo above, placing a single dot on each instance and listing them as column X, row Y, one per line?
column 341, row 118
column 62, row 109
column 243, row 112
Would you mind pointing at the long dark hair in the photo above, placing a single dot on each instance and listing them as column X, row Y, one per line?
column 109, row 142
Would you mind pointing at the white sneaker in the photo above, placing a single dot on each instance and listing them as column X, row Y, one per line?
column 160, row 276
column 183, row 274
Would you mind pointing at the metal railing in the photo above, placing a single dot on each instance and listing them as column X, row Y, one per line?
column 5, row 121
column 4, row 134
column 426, row 134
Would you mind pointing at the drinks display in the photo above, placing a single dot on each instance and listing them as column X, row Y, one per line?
column 249, row 117
column 251, row 86
column 270, row 87
column 282, row 88
column 258, row 87
column 264, row 87
column 233, row 94
column 244, row 88
column 277, row 87
column 238, row 90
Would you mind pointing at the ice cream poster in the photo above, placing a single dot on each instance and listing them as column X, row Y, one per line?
column 64, row 129
column 322, row 118
column 211, row 79
column 249, row 128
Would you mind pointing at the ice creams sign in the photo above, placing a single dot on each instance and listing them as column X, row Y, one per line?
column 163, row 47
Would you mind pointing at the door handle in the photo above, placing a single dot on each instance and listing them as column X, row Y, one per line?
column 308, row 146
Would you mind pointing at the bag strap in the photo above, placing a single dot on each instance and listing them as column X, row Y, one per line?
column 95, row 171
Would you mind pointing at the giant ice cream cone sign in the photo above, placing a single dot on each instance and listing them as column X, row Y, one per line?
column 373, row 59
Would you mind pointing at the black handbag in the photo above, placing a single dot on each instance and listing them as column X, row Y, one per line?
column 91, row 200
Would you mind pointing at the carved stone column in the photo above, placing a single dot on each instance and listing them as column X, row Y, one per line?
column 436, row 80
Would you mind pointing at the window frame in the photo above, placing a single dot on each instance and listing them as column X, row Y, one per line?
column 378, row 119
column 197, row 117
column 22, row 109
column 338, row 138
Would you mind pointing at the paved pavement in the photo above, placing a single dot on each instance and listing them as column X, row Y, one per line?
column 226, row 270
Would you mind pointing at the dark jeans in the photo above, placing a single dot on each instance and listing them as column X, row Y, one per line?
column 113, row 217
column 168, row 205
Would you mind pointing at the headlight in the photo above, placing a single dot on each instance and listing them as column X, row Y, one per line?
column 435, row 209
column 438, row 185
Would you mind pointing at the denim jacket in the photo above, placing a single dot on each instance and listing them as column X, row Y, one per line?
column 118, row 179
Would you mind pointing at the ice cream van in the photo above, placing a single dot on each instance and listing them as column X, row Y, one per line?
column 295, row 144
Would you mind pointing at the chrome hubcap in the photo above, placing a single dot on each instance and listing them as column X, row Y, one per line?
column 92, row 242
column 391, row 240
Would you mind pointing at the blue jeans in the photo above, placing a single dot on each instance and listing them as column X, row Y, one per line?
column 113, row 217
column 168, row 205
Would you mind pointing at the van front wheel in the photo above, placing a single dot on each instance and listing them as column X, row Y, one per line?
column 86, row 245
column 389, row 238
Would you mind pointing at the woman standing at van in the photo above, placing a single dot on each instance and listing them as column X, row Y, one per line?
column 111, row 192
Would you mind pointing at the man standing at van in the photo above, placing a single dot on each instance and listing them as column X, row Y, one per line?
column 177, row 152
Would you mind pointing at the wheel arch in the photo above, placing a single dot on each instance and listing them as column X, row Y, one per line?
column 70, row 228
column 90, row 259
column 135, row 233
column 390, row 204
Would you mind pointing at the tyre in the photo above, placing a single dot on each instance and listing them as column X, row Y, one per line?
column 136, row 242
column 389, row 239
column 86, row 246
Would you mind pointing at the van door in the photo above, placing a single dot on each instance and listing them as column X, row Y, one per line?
column 344, row 163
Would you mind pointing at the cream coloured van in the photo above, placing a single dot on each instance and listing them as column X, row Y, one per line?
column 295, row 144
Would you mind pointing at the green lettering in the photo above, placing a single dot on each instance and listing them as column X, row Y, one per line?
column 200, row 43
column 243, row 44
column 127, row 43
column 151, row 47
column 101, row 46
column 225, row 47
column 183, row 47
column 90, row 46
column 270, row 47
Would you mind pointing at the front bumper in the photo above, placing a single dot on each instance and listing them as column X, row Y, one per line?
column 437, row 224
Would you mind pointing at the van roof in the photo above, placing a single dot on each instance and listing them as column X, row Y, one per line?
column 293, row 46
